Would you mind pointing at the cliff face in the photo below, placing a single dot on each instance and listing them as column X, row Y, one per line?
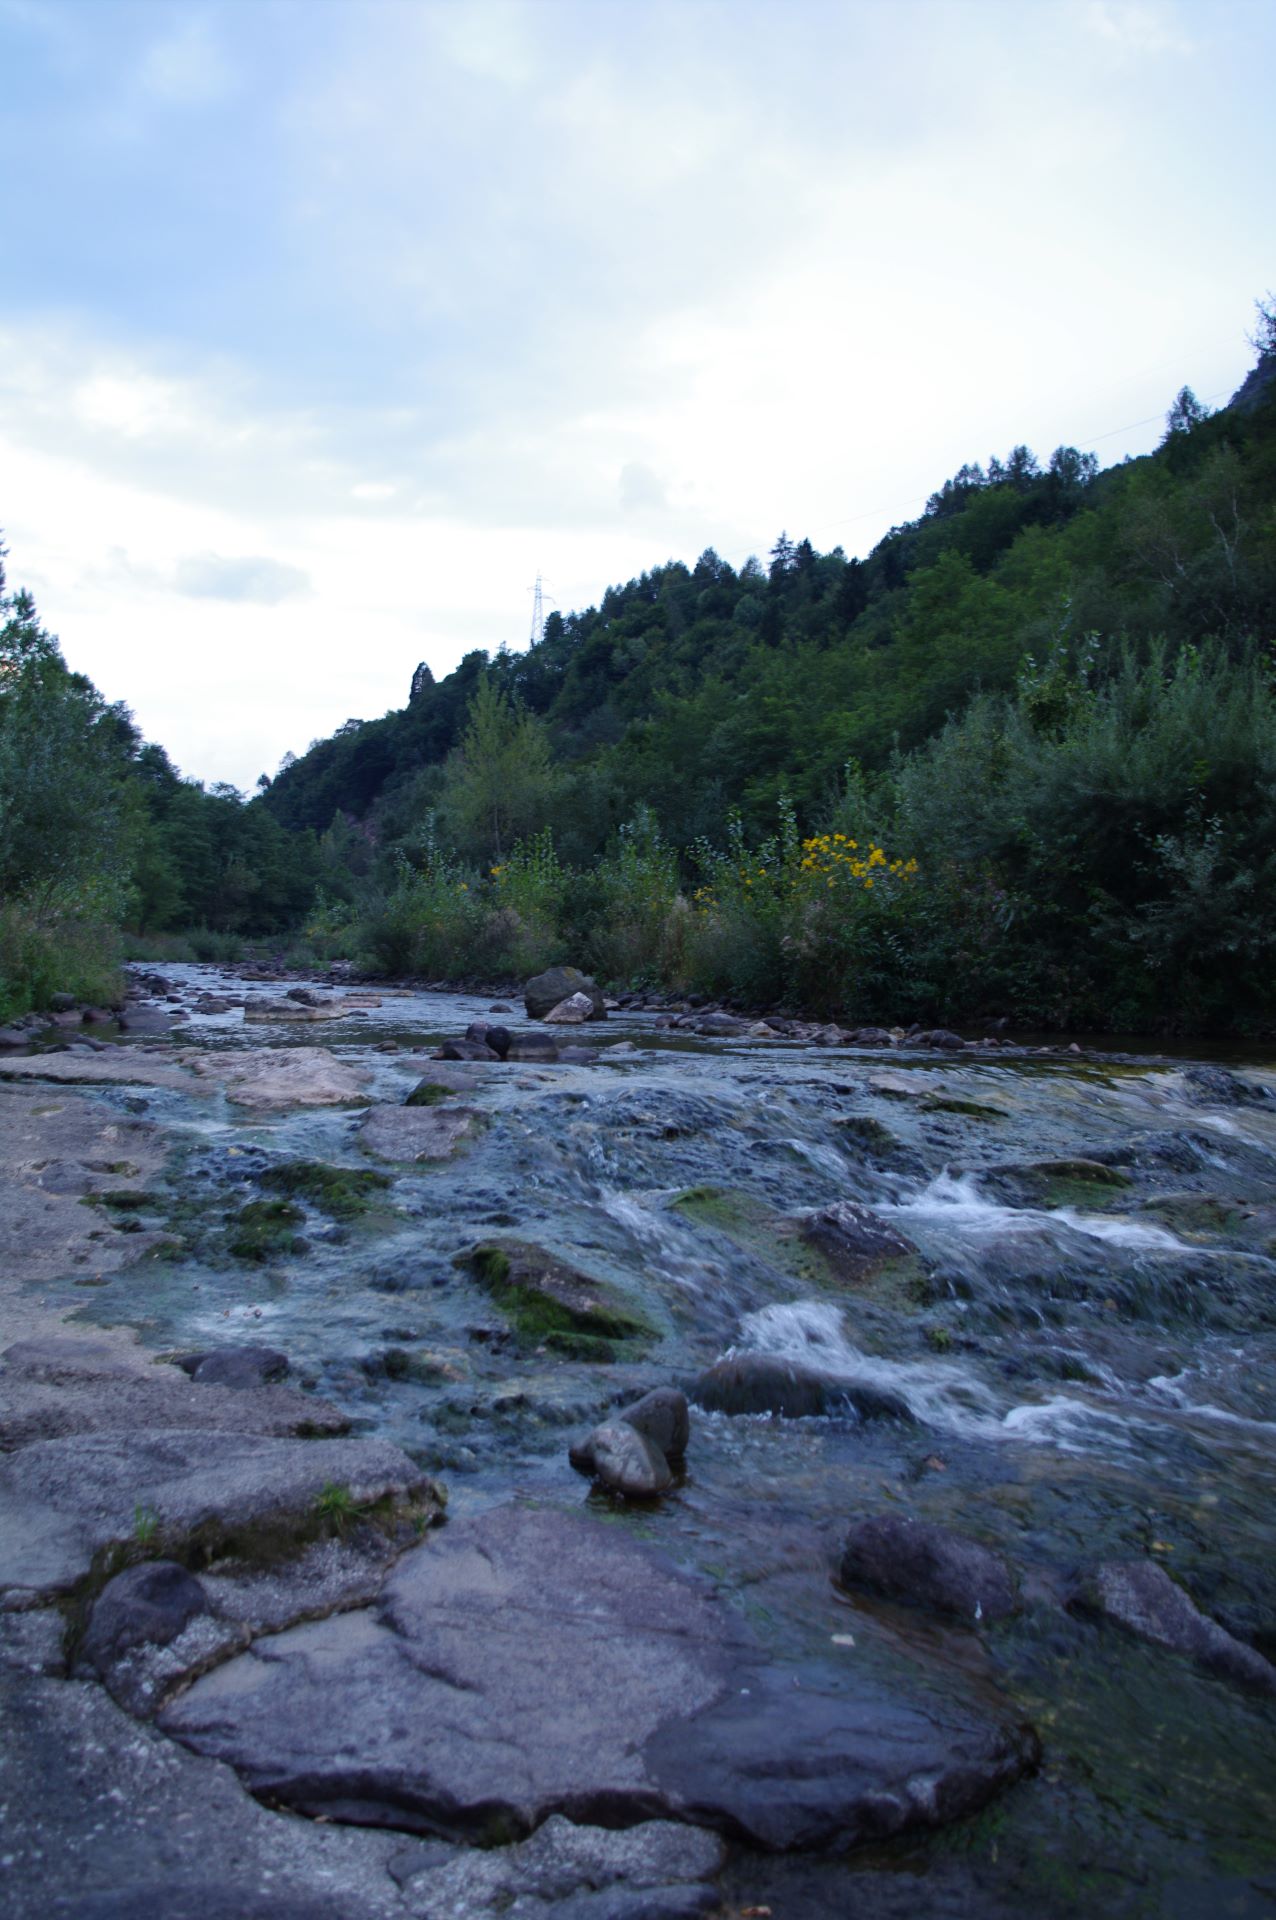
column 1258, row 386
column 422, row 681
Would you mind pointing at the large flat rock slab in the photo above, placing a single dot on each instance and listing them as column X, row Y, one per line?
column 530, row 1663
column 107, row 1820
column 62, row 1385
column 269, row 1079
column 62, row 1502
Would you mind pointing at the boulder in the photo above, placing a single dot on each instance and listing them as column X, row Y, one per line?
column 623, row 1460
column 466, row 1050
column 548, row 990
column 551, row 1303
column 495, row 1038
column 854, row 1240
column 525, row 1663
column 1141, row 1597
column 63, row 1502
column 662, row 1416
column 926, row 1565
column 267, row 1079
column 764, row 1383
column 572, row 1012
column 237, row 1367
column 143, row 1606
column 533, row 1049
column 417, row 1133
column 941, row 1039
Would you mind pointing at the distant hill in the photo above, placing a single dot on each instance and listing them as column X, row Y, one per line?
column 703, row 689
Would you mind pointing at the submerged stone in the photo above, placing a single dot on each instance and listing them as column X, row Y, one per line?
column 529, row 1663
column 928, row 1566
column 1141, row 1597
column 417, row 1133
column 853, row 1239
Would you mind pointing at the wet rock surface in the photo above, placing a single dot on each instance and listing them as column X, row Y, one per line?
column 647, row 1698
column 1074, row 1311
column 764, row 1383
column 1141, row 1597
column 926, row 1565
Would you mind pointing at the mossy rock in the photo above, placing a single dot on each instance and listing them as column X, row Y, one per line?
column 552, row 1304
column 895, row 1277
column 341, row 1192
column 265, row 1230
column 1198, row 1216
column 973, row 1109
column 122, row 1200
column 1089, row 1184
column 428, row 1093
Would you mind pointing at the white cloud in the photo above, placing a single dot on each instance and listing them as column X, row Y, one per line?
column 1137, row 27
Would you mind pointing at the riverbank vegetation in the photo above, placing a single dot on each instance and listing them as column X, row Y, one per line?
column 1019, row 762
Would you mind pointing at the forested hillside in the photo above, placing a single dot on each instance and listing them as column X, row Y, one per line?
column 1020, row 760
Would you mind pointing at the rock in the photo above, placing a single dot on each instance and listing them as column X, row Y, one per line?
column 417, row 1133
column 57, row 1387
column 1140, row 1596
column 64, row 1501
column 548, row 990
column 140, row 1021
column 14, row 1037
column 623, row 1460
column 527, row 1663
column 146, row 1605
column 237, row 1367
column 106, row 1819
column 928, row 1566
column 63, row 1003
column 466, row 1050
column 764, row 1383
column 870, row 1037
column 663, row 1417
column 500, row 1006
column 854, row 1240
column 556, row 1305
column 942, row 1039
column 655, row 1871
column 533, row 1049
column 572, row 1012
column 307, row 1012
column 1215, row 1087
column 721, row 1025
column 270, row 1078
column 495, row 1039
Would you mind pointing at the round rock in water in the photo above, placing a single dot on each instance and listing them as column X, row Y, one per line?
column 239, row 1367
column 624, row 1460
column 146, row 1605
column 662, row 1416
column 765, row 1383
column 928, row 1566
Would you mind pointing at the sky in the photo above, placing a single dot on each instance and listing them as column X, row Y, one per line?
column 327, row 325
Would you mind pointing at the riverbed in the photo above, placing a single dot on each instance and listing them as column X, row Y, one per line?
column 1083, row 1338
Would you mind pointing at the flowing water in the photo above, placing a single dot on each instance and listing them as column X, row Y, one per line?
column 1086, row 1338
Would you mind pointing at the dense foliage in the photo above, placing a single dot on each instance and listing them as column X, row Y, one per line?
column 1019, row 761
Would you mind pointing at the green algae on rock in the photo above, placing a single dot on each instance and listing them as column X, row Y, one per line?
column 550, row 1303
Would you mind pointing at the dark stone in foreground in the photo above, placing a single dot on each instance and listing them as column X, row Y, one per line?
column 928, row 1566
column 143, row 1606
column 764, row 1383
column 530, row 1663
column 1141, row 1597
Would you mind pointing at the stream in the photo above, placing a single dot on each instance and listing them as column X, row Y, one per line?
column 1085, row 1337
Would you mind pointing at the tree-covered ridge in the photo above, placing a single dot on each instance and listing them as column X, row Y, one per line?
column 698, row 690
column 1021, row 760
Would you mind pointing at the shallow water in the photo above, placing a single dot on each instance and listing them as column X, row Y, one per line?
column 1088, row 1357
